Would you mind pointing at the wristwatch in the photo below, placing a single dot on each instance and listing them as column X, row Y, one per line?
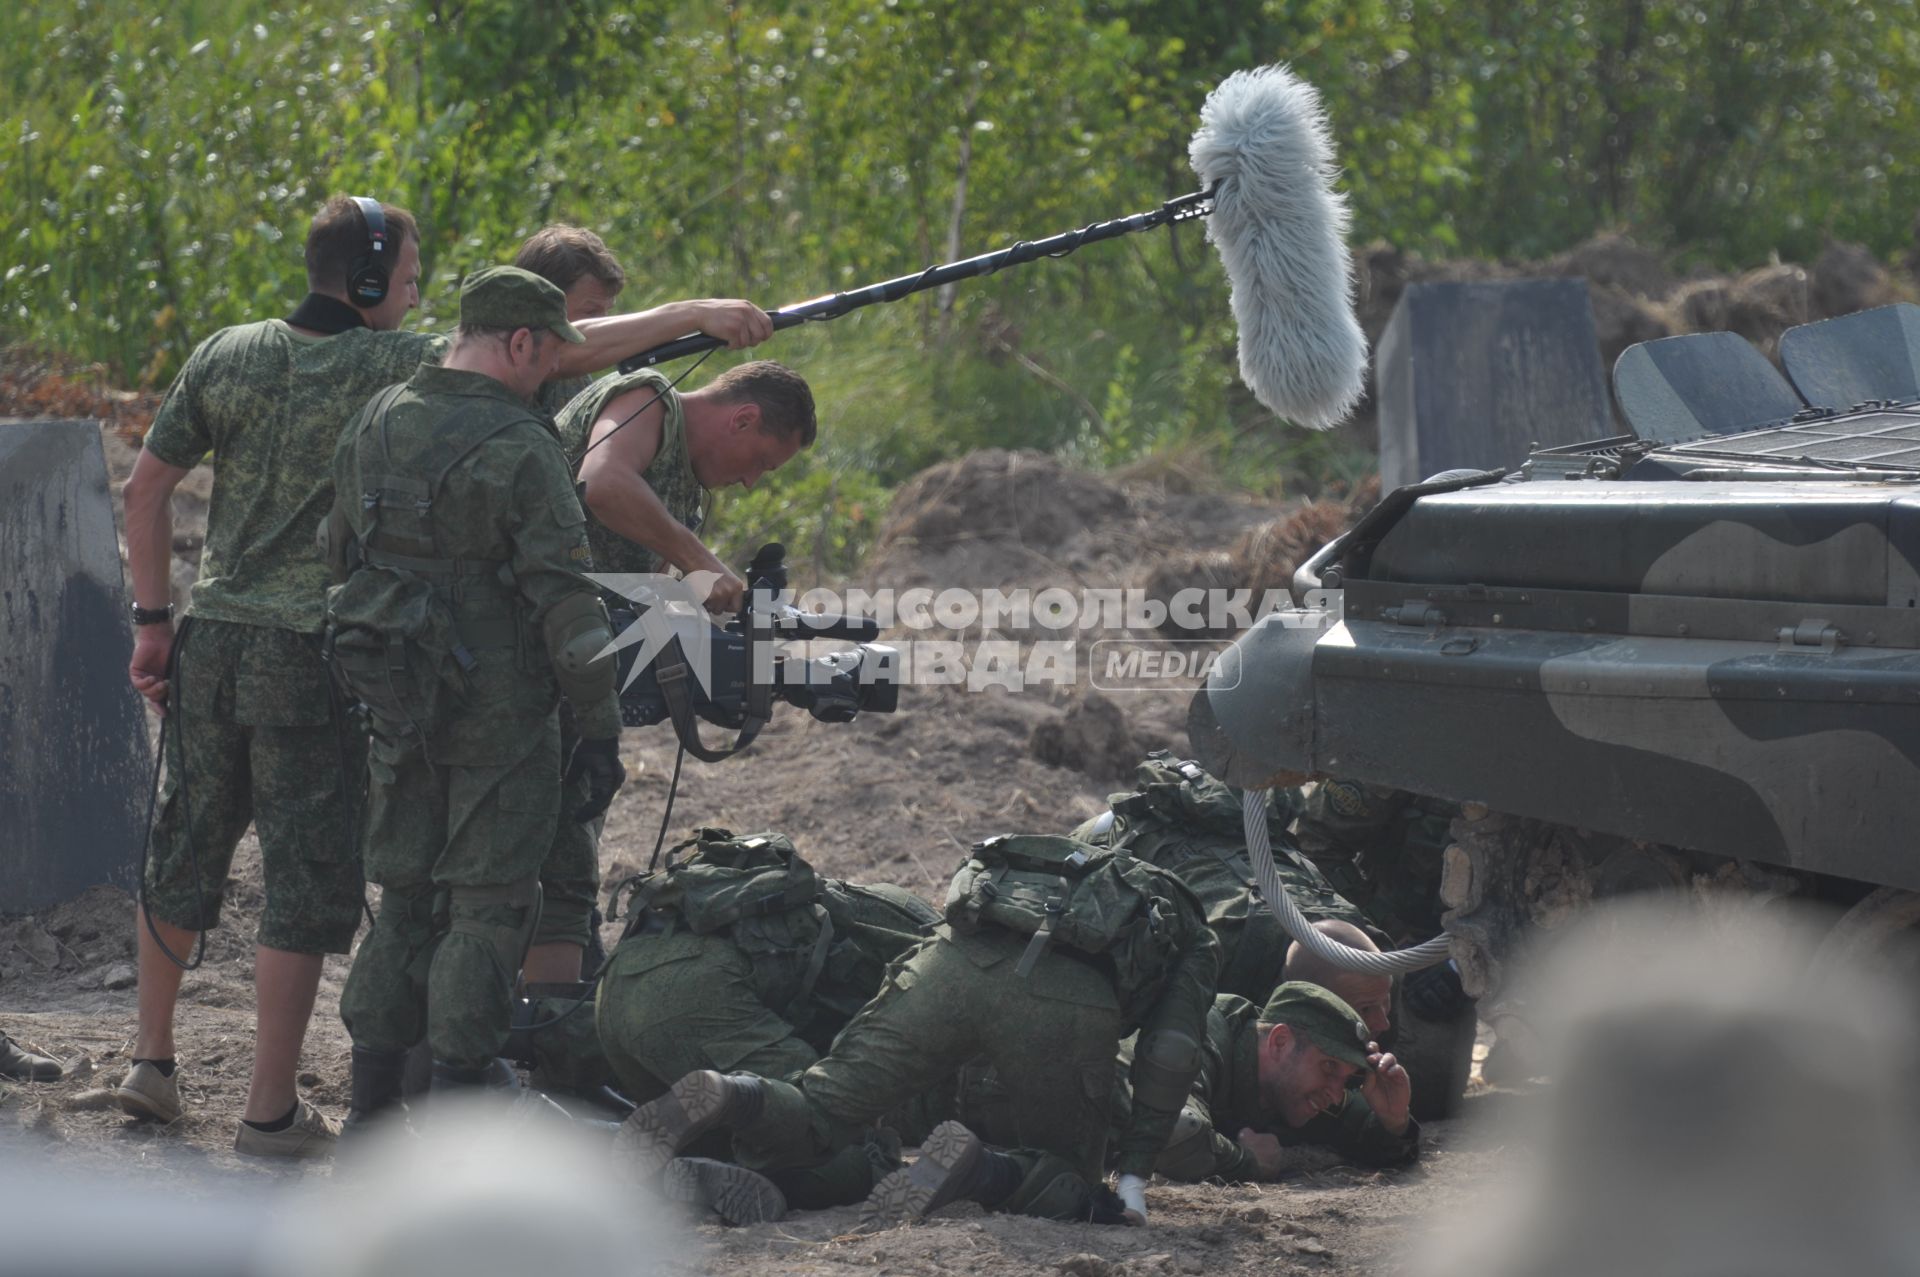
column 152, row 615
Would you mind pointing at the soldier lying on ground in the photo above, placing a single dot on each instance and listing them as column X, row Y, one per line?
column 1370, row 995
column 1190, row 824
column 1257, row 1092
column 738, row 957
column 1052, row 951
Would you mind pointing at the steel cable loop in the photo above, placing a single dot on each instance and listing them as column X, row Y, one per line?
column 1428, row 953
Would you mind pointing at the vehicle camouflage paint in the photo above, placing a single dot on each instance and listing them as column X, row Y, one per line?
column 1687, row 656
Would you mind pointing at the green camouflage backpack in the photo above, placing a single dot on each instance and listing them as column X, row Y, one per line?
column 818, row 947
column 1190, row 824
column 393, row 637
column 1080, row 897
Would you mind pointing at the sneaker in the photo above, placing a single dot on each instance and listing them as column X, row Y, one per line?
column 734, row 1193
column 654, row 1133
column 22, row 1065
column 945, row 1172
column 147, row 1092
column 312, row 1134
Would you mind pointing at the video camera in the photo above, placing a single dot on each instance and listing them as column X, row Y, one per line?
column 744, row 671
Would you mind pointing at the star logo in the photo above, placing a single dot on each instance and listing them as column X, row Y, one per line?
column 669, row 607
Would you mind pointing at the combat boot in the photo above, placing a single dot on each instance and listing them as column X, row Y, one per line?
column 23, row 1065
column 656, row 1132
column 733, row 1193
column 374, row 1086
column 954, row 1165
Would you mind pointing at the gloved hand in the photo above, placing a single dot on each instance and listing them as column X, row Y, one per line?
column 1133, row 1194
column 599, row 762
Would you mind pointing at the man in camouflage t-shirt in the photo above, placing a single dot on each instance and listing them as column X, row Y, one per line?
column 251, row 733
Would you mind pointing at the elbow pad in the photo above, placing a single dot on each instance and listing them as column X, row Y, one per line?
column 577, row 632
column 1189, row 1152
column 1163, row 1070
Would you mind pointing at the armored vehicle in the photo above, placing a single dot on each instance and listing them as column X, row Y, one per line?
column 1686, row 656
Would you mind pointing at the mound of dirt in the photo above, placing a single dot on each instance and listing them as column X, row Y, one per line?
column 1004, row 519
column 1093, row 737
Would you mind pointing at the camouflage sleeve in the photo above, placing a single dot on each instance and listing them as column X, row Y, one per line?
column 1199, row 1151
column 1181, row 1010
column 1356, row 1134
column 548, row 531
column 179, row 434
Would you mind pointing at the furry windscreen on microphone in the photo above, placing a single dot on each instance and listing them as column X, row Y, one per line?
column 1281, row 231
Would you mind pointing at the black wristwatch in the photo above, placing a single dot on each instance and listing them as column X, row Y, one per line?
column 152, row 615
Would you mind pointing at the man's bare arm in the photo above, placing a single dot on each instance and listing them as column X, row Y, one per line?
column 609, row 340
column 148, row 499
column 625, row 503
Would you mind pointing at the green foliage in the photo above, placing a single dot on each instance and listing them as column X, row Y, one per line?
column 166, row 160
column 826, row 516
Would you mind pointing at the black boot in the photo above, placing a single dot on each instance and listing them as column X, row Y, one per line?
column 374, row 1085
column 954, row 1165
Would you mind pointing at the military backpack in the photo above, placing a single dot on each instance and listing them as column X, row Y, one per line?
column 1190, row 824
column 1081, row 898
column 810, row 940
column 403, row 621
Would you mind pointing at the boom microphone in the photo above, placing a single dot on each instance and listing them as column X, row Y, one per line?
column 1266, row 157
column 1281, row 228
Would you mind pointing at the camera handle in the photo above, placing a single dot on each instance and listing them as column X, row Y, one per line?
column 768, row 573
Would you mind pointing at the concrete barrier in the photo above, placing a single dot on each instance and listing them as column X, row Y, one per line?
column 75, row 760
column 1471, row 375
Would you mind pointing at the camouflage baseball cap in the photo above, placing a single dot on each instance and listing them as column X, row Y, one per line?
column 1323, row 1016
column 508, row 297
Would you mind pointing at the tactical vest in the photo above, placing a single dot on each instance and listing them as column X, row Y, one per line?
column 1187, row 822
column 405, row 621
column 1080, row 898
column 818, row 947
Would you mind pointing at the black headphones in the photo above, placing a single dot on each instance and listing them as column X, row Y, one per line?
column 367, row 274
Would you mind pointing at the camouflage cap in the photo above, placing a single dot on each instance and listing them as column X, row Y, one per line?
column 1328, row 1022
column 508, row 297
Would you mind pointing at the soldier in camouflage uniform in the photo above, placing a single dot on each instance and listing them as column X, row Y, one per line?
column 1319, row 1080
column 578, row 262
column 251, row 734
column 1048, row 1017
column 737, row 957
column 1190, row 824
column 461, row 619
column 1382, row 846
column 647, row 458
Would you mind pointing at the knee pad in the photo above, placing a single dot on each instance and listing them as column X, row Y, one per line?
column 1163, row 1070
column 502, row 918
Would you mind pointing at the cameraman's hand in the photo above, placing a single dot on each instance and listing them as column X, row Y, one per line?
column 599, row 762
column 727, row 595
column 738, row 323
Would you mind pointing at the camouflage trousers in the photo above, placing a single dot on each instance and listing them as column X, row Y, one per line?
column 457, row 852
column 1052, row 1034
column 570, row 875
column 671, row 1004
column 252, row 739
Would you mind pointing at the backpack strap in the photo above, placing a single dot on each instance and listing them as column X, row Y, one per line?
column 1056, row 908
column 816, row 962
